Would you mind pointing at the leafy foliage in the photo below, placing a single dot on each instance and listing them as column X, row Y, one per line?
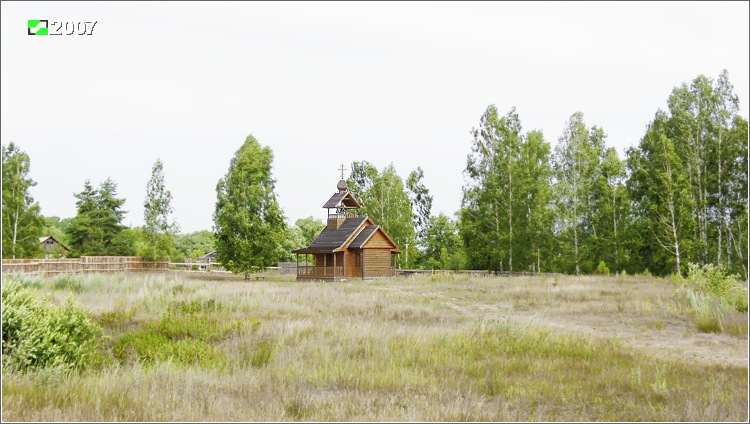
column 421, row 203
column 443, row 245
column 55, row 227
column 193, row 245
column 97, row 228
column 689, row 181
column 714, row 280
column 22, row 219
column 159, row 229
column 575, row 164
column 384, row 198
column 37, row 335
column 249, row 223
column 505, row 220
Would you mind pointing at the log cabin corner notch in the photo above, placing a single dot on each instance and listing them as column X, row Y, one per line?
column 349, row 246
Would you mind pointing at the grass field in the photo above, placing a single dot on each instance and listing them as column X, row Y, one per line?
column 423, row 348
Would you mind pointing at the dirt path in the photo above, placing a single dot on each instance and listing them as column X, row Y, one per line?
column 674, row 339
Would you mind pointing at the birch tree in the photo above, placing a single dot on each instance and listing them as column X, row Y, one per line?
column 575, row 161
column 159, row 228
column 22, row 220
column 660, row 189
column 384, row 198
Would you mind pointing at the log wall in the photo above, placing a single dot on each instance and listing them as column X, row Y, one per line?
column 377, row 262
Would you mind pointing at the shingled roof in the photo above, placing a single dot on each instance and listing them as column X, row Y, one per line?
column 334, row 239
column 363, row 236
column 342, row 200
column 366, row 234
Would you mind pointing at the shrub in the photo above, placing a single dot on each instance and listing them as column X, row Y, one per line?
column 183, row 339
column 713, row 296
column 602, row 268
column 68, row 282
column 38, row 335
column 712, row 279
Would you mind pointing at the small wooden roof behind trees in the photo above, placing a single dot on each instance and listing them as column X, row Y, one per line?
column 45, row 238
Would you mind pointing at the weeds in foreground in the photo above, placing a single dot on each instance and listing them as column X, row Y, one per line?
column 38, row 335
column 712, row 298
column 393, row 351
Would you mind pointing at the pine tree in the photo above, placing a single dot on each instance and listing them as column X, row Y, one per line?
column 97, row 227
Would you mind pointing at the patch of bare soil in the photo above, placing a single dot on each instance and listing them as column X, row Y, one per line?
column 669, row 338
column 674, row 340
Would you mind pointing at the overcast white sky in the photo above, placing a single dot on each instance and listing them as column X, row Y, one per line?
column 329, row 83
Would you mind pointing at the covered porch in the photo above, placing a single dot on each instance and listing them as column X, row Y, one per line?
column 321, row 265
column 341, row 265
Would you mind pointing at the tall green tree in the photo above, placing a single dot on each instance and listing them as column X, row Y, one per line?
column 575, row 162
column 384, row 198
column 97, row 228
column 309, row 228
column 537, row 235
column 22, row 219
column 505, row 222
column 735, row 200
column 443, row 244
column 487, row 208
column 610, row 212
column 159, row 228
column 709, row 143
column 249, row 224
column 660, row 189
column 421, row 202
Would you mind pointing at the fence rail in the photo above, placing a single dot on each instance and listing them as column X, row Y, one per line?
column 81, row 265
column 320, row 271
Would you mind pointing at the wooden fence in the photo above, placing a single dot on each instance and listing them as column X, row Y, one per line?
column 81, row 265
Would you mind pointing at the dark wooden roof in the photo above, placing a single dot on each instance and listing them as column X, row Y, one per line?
column 366, row 234
column 332, row 240
column 363, row 236
column 342, row 199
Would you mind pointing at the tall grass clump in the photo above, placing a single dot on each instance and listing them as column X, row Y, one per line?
column 712, row 295
column 68, row 282
column 38, row 335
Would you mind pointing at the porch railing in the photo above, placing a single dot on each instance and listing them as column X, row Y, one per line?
column 320, row 271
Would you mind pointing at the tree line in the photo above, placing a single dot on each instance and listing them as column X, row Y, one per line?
column 679, row 196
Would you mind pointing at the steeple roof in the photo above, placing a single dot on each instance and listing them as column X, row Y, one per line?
column 342, row 200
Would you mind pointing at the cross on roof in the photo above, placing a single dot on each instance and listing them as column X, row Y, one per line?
column 342, row 169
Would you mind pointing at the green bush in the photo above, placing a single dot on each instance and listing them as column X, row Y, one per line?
column 150, row 346
column 182, row 339
column 68, row 282
column 712, row 279
column 602, row 268
column 38, row 335
column 712, row 296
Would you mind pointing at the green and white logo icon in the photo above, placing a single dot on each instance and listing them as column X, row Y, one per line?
column 38, row 27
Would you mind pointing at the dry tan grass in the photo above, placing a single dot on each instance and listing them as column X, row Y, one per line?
column 443, row 348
